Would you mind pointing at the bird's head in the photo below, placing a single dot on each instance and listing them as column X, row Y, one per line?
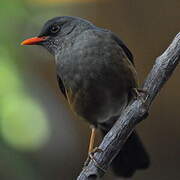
column 58, row 32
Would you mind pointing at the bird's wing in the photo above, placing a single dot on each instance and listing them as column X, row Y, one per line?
column 124, row 47
column 119, row 42
column 61, row 86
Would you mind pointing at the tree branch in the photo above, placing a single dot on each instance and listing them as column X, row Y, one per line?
column 134, row 113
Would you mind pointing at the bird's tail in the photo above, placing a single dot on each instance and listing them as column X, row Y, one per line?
column 132, row 157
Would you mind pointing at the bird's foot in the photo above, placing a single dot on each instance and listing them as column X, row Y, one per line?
column 142, row 95
column 91, row 157
column 138, row 93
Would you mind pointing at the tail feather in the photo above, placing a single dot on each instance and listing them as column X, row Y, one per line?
column 132, row 156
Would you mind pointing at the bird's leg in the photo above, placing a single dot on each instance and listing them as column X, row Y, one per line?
column 91, row 145
column 93, row 150
column 92, row 139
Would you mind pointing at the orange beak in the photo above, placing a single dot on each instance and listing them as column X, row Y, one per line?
column 34, row 40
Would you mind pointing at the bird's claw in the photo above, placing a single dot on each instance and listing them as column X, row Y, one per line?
column 138, row 93
column 95, row 150
column 91, row 157
column 142, row 95
column 91, row 154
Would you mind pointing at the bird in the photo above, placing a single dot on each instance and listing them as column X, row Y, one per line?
column 96, row 74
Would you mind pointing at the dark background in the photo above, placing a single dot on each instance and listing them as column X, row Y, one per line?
column 40, row 139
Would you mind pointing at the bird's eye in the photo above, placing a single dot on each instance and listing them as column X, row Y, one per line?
column 55, row 28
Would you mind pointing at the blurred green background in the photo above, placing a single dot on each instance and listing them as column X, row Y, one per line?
column 40, row 139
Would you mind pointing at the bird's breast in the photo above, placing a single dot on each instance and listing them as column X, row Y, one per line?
column 94, row 93
column 97, row 78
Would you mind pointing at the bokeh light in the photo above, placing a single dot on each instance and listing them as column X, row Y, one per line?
column 9, row 77
column 24, row 124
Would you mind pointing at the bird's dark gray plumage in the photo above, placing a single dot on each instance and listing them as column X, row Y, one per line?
column 96, row 74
